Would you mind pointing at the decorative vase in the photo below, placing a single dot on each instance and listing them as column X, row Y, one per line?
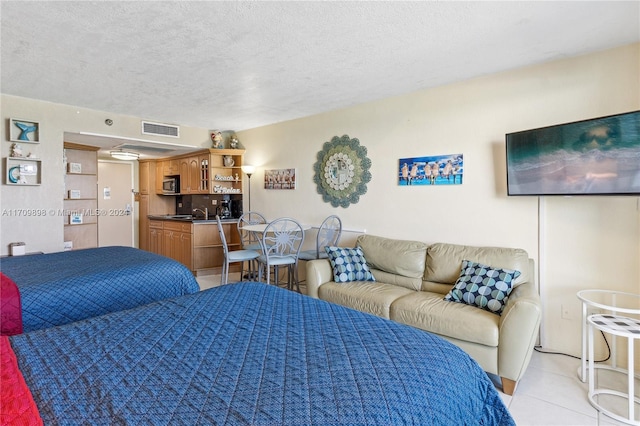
column 228, row 161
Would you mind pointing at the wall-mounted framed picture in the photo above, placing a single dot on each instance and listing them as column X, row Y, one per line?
column 75, row 218
column 280, row 179
column 27, row 131
column 431, row 170
column 75, row 168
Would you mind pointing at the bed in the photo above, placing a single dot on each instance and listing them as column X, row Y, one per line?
column 250, row 354
column 59, row 288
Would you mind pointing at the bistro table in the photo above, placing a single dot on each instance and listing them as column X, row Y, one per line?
column 606, row 301
column 259, row 228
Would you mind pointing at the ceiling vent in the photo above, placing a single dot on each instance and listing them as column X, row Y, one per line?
column 159, row 129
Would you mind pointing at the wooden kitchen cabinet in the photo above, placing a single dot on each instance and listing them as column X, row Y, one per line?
column 150, row 203
column 203, row 164
column 143, row 175
column 170, row 167
column 190, row 176
column 156, row 242
column 196, row 245
column 177, row 242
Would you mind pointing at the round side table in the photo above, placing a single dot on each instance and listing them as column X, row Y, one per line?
column 606, row 301
column 623, row 327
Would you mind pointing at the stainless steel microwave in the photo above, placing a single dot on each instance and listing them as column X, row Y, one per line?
column 170, row 185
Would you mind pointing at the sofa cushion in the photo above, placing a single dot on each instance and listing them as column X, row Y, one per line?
column 399, row 280
column 444, row 261
column 366, row 296
column 483, row 286
column 399, row 257
column 428, row 311
column 348, row 264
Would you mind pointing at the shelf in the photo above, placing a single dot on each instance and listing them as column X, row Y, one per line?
column 23, row 171
column 80, row 179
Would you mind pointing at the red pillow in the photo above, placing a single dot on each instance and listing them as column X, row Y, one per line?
column 17, row 406
column 10, row 307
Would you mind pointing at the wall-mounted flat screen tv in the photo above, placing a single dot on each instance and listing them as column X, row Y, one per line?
column 600, row 156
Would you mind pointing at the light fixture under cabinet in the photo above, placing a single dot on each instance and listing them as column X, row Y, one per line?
column 125, row 155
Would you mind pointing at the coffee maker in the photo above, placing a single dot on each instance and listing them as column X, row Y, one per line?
column 224, row 211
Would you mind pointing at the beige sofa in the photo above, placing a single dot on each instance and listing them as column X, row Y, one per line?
column 412, row 279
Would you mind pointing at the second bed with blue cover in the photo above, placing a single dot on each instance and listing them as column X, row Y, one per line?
column 252, row 354
column 63, row 287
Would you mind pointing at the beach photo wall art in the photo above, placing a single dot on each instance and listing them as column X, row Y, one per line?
column 431, row 170
column 280, row 179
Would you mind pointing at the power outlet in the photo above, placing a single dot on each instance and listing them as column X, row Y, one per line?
column 566, row 312
column 214, row 202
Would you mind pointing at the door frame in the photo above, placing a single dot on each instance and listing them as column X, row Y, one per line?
column 133, row 209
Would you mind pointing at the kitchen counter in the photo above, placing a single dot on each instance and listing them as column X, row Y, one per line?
column 194, row 242
column 188, row 218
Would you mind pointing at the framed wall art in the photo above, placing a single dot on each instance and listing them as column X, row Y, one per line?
column 280, row 179
column 24, row 131
column 431, row 170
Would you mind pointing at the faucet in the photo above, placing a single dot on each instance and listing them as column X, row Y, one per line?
column 205, row 212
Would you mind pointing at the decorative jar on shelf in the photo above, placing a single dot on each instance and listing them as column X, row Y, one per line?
column 228, row 161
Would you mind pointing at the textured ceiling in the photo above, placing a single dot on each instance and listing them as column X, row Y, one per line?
column 239, row 65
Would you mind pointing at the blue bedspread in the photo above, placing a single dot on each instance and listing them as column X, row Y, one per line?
column 252, row 354
column 59, row 288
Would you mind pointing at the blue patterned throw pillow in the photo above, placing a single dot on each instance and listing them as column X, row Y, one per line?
column 483, row 286
column 348, row 264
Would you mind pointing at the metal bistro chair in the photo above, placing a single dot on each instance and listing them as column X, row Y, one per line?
column 233, row 256
column 328, row 235
column 281, row 242
column 249, row 240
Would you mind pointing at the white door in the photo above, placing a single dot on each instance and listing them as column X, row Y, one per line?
column 115, row 203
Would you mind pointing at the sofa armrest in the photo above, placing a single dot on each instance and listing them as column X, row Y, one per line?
column 318, row 272
column 519, row 326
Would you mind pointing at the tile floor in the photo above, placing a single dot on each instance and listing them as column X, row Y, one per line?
column 550, row 393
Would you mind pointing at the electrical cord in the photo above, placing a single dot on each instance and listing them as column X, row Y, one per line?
column 538, row 348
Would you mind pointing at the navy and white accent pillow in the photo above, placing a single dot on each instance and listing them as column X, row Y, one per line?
column 483, row 286
column 348, row 264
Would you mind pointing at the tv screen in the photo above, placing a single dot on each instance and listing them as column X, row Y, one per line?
column 600, row 156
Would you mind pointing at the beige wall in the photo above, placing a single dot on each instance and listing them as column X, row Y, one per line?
column 586, row 242
column 45, row 232
column 578, row 242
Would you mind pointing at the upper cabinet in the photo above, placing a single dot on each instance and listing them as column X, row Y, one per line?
column 191, row 175
column 211, row 171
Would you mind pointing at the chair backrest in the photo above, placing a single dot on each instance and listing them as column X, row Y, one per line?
column 282, row 238
column 223, row 239
column 328, row 234
column 249, row 218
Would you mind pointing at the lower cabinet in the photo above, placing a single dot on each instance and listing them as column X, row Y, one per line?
column 177, row 242
column 196, row 245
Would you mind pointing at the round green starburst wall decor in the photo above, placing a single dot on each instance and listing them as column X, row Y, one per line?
column 342, row 171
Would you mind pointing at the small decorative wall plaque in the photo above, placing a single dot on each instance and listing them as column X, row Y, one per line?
column 74, row 193
column 75, row 218
column 75, row 168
